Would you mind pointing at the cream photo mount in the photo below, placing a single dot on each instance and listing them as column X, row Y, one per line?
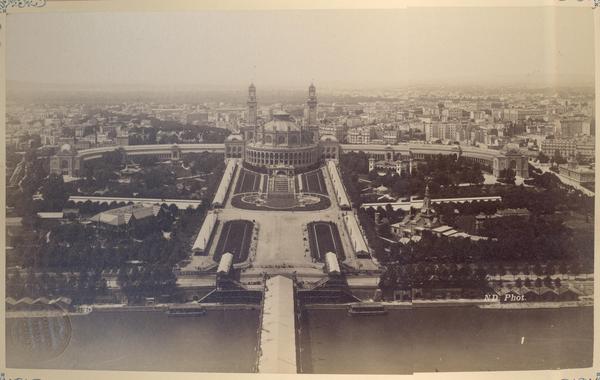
column 259, row 227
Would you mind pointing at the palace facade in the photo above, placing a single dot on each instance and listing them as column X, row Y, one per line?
column 282, row 144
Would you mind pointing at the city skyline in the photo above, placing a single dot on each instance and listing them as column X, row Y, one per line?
column 334, row 48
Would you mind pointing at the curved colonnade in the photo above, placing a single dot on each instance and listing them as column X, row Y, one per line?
column 493, row 159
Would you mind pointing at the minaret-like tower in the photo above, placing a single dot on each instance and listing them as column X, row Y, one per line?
column 426, row 211
column 251, row 123
column 311, row 104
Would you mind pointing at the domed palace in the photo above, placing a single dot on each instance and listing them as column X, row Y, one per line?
column 282, row 144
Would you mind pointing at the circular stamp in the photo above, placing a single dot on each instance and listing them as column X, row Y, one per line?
column 37, row 332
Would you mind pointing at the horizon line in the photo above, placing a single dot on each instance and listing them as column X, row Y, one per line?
column 15, row 84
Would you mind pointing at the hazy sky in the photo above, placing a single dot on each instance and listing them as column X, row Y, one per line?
column 550, row 46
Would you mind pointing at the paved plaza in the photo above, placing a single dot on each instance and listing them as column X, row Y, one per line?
column 282, row 238
column 282, row 244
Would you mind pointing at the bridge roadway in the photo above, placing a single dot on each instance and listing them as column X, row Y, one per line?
column 277, row 352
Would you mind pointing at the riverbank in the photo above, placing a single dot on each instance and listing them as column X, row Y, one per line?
column 480, row 303
column 391, row 305
column 166, row 306
column 487, row 304
column 106, row 308
column 539, row 305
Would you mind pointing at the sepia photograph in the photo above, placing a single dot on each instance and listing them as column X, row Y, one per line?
column 345, row 191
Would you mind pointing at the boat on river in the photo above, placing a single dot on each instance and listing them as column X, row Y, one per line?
column 185, row 311
column 366, row 309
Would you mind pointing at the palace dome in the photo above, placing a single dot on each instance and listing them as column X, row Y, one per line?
column 330, row 138
column 234, row 137
column 281, row 122
column 281, row 126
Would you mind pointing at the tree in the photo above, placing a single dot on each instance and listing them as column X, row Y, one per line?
column 563, row 268
column 507, row 176
column 400, row 186
column 103, row 287
column 476, row 176
column 61, row 283
column 54, row 192
column 31, row 284
column 384, row 228
column 82, row 281
column 122, row 277
column 575, row 268
column 558, row 158
column 14, row 286
column 115, row 158
column 373, row 175
column 501, row 270
column 542, row 158
column 158, row 177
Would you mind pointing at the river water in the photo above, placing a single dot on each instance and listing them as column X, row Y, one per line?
column 402, row 341
column 219, row 341
column 447, row 339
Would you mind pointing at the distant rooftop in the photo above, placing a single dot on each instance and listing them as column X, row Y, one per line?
column 123, row 215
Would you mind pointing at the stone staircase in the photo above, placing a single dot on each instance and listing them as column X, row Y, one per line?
column 281, row 184
column 281, row 187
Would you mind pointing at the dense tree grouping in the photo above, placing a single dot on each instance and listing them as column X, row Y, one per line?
column 440, row 172
column 74, row 258
column 556, row 236
column 142, row 254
